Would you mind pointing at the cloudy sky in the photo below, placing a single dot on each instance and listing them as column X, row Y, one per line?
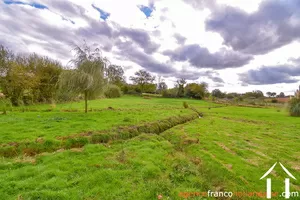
column 233, row 45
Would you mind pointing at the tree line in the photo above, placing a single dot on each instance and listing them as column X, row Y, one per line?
column 30, row 79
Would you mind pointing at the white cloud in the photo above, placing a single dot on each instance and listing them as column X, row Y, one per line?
column 168, row 18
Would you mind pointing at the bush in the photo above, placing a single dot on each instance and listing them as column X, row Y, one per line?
column 113, row 91
column 274, row 101
column 5, row 105
column 76, row 142
column 151, row 95
column 295, row 107
column 185, row 104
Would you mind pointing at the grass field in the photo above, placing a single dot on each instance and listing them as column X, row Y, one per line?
column 229, row 149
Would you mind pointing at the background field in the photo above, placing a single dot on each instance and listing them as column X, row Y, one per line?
column 229, row 149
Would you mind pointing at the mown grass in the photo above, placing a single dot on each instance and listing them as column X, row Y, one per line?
column 229, row 149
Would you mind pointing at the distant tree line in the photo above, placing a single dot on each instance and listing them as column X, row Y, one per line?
column 30, row 79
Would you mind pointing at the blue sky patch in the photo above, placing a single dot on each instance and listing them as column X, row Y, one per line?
column 35, row 5
column 147, row 10
column 103, row 15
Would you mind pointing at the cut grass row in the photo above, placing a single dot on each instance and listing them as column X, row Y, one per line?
column 18, row 126
column 227, row 150
column 78, row 141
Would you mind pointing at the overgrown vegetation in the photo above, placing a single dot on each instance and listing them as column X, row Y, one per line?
column 113, row 91
column 234, row 143
column 295, row 104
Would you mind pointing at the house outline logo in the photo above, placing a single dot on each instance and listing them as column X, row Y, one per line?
column 287, row 181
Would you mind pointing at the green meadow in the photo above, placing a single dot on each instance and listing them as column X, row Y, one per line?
column 228, row 149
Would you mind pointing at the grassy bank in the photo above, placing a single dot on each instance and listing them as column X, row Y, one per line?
column 229, row 149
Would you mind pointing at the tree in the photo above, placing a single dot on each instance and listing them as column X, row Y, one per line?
column 6, row 57
column 195, row 90
column 161, row 85
column 273, row 94
column 19, row 82
column 47, row 72
column 281, row 95
column 217, row 93
column 232, row 95
column 28, row 79
column 142, row 78
column 115, row 75
column 87, row 77
column 269, row 94
column 180, row 86
column 254, row 94
column 294, row 104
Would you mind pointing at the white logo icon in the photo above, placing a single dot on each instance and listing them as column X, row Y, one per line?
column 287, row 181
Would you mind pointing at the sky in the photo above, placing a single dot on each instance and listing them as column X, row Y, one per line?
column 233, row 45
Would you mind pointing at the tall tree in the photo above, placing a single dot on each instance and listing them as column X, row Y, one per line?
column 269, row 94
column 281, row 94
column 195, row 90
column 180, row 84
column 273, row 94
column 217, row 93
column 115, row 75
column 142, row 78
column 161, row 85
column 87, row 77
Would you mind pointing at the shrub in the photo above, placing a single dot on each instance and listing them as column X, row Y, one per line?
column 185, row 104
column 100, row 138
column 76, row 142
column 295, row 107
column 274, row 101
column 5, row 105
column 151, row 95
column 127, row 119
column 112, row 91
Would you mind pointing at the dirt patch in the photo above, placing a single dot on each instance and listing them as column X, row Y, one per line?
column 225, row 148
column 295, row 166
column 25, row 159
column 254, row 162
column 258, row 153
column 76, row 149
column 228, row 166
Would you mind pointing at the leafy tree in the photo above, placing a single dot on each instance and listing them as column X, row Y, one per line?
column 294, row 104
column 180, row 86
column 161, row 85
column 232, row 95
column 281, row 95
column 142, row 78
column 254, row 94
column 150, row 88
column 273, row 94
column 19, row 81
column 112, row 91
column 6, row 57
column 269, row 94
column 115, row 75
column 217, row 93
column 28, row 79
column 170, row 93
column 47, row 72
column 195, row 90
column 87, row 77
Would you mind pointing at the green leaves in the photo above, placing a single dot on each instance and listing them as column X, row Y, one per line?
column 87, row 77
